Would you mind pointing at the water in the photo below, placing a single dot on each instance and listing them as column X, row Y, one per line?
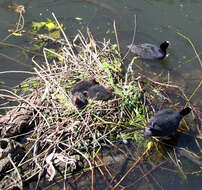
column 156, row 21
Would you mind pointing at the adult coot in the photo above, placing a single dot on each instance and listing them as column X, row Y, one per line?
column 99, row 92
column 83, row 86
column 79, row 100
column 165, row 122
column 149, row 51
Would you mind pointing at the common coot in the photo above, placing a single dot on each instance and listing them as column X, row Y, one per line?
column 149, row 51
column 83, row 86
column 79, row 100
column 165, row 122
column 99, row 92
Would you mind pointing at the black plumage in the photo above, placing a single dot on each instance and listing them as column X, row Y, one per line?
column 99, row 92
column 149, row 51
column 165, row 122
column 79, row 100
column 83, row 86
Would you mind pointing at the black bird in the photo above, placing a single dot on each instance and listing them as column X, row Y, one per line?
column 149, row 51
column 165, row 122
column 83, row 86
column 79, row 100
column 99, row 92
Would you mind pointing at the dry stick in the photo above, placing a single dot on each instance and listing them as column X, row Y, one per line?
column 159, row 83
column 175, row 161
column 146, row 178
column 195, row 90
column 191, row 105
column 133, row 166
column 60, row 28
column 84, row 157
column 116, row 147
column 24, row 72
column 65, row 176
column 31, row 159
column 18, row 174
column 146, row 174
column 19, row 24
column 74, row 56
column 170, row 170
column 160, row 186
column 92, row 178
column 192, row 46
column 102, row 173
column 105, row 167
column 116, row 35
column 57, row 181
column 70, row 46
column 10, row 97
column 188, row 61
column 92, row 173
column 132, row 39
column 141, row 170
column 32, row 105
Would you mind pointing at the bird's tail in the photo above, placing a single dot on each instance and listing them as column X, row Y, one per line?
column 185, row 111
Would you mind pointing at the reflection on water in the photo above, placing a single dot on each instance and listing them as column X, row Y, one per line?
column 156, row 21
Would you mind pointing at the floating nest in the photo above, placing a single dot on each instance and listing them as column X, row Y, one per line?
column 50, row 129
column 45, row 133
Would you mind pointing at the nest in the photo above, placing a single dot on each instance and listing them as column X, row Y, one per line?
column 55, row 137
column 53, row 130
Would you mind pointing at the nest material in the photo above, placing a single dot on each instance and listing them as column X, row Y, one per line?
column 57, row 135
column 56, row 132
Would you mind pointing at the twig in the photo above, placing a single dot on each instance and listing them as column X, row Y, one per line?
column 102, row 173
column 159, row 83
column 18, row 174
column 133, row 166
column 146, row 174
column 133, row 39
column 194, row 92
column 24, row 72
column 116, row 35
column 192, row 46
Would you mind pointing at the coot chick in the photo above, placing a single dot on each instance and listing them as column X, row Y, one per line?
column 149, row 51
column 83, row 86
column 99, row 92
column 165, row 122
column 79, row 100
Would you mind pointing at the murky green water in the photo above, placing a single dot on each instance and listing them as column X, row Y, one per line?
column 156, row 21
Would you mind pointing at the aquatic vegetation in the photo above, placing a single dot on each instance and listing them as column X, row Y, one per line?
column 46, row 35
column 62, row 140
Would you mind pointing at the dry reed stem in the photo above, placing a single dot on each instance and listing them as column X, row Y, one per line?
column 133, row 39
column 116, row 35
column 192, row 45
column 132, row 167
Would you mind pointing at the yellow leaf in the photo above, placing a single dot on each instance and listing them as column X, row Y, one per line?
column 149, row 145
column 63, row 100
column 16, row 34
column 60, row 58
column 50, row 26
